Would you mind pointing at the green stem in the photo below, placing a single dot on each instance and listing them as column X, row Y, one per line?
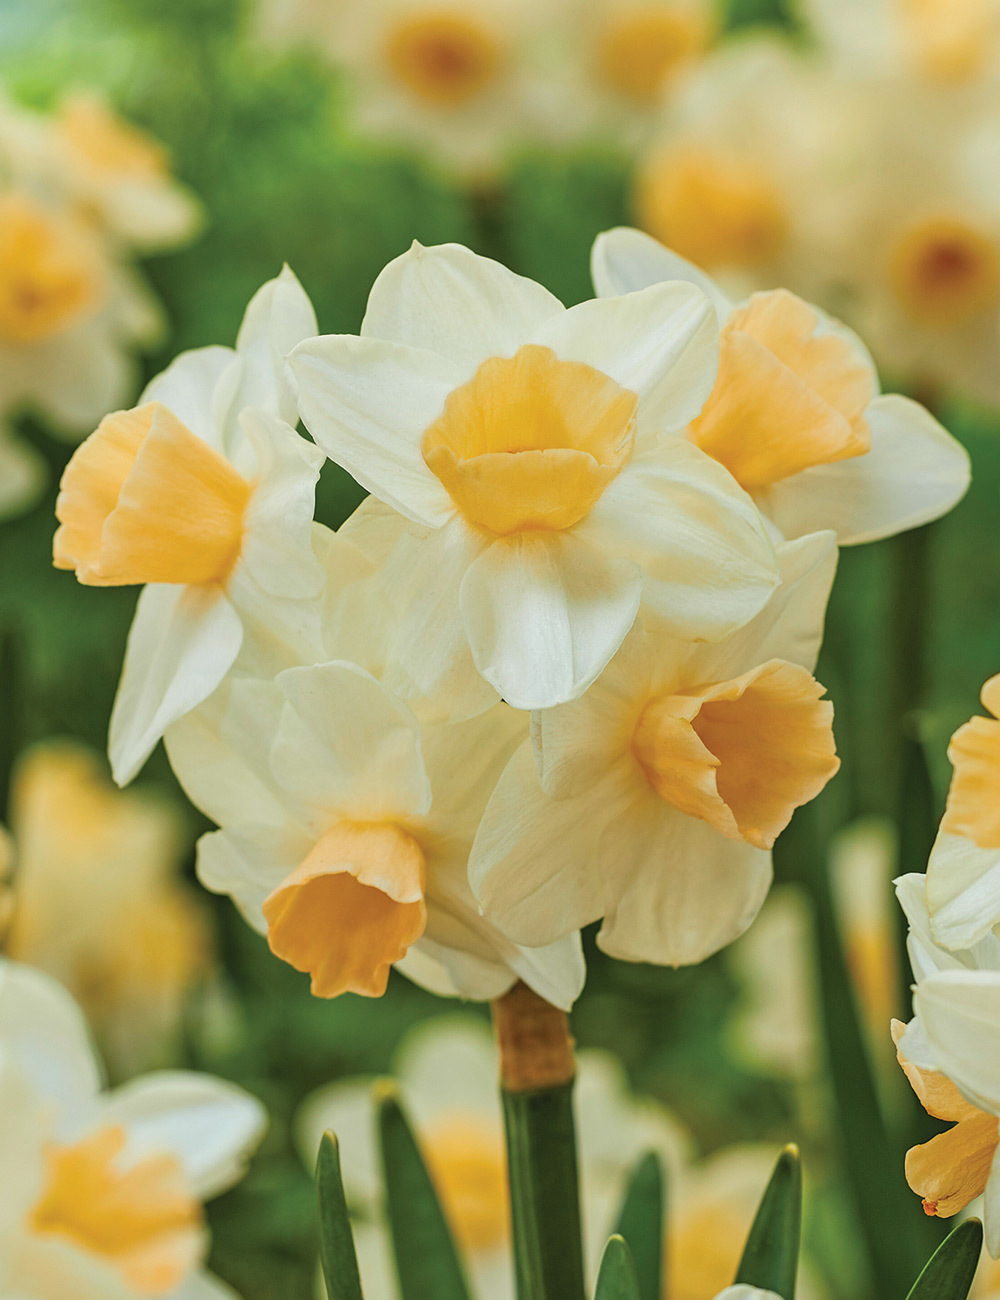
column 537, row 1072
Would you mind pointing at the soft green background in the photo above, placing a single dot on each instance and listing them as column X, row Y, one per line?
column 262, row 140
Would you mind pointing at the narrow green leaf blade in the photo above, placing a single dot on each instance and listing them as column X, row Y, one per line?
column 640, row 1222
column 427, row 1262
column 336, row 1241
column 949, row 1272
column 617, row 1278
column 771, row 1255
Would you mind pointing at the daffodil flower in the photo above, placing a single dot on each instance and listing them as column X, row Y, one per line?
column 796, row 415
column 524, row 443
column 70, row 316
column 963, row 875
column 117, row 174
column 203, row 494
column 950, row 1052
column 654, row 800
column 96, row 900
column 107, row 1199
column 346, row 829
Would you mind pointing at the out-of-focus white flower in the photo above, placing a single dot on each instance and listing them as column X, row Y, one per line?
column 937, row 41
column 96, row 900
column 463, row 81
column 963, row 875
column 524, row 444
column 731, row 179
column 346, row 833
column 119, row 176
column 447, row 1071
column 107, row 1199
column 950, row 1052
column 796, row 415
column 203, row 493
column 653, row 801
column 70, row 317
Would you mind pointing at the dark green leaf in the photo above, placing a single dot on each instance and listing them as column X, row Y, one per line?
column 640, row 1222
column 771, row 1255
column 949, row 1272
column 617, row 1278
column 336, row 1242
column 427, row 1262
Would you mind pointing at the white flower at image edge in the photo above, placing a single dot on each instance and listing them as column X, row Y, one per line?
column 525, row 444
column 204, row 492
column 107, row 1199
column 797, row 416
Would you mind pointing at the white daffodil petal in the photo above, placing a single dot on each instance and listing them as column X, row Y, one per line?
column 44, row 1034
column 960, row 1015
column 708, row 563
column 350, row 742
column 24, row 473
column 211, row 1127
column 533, row 864
column 963, row 890
column 182, row 643
column 449, row 971
column 544, row 613
column 661, row 343
column 189, row 387
column 684, row 890
column 915, row 472
column 277, row 538
column 248, row 863
column 926, row 956
column 625, row 259
column 451, row 301
column 790, row 626
column 278, row 316
column 367, row 403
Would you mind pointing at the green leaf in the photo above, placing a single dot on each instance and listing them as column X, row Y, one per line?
column 771, row 1255
column 427, row 1263
column 640, row 1222
column 336, row 1242
column 617, row 1278
column 949, row 1273
column 544, row 1193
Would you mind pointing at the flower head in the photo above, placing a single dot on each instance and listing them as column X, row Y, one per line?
column 526, row 445
column 204, row 492
column 796, row 415
column 108, row 1198
column 653, row 800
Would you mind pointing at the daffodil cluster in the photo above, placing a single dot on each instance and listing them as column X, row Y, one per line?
column 82, row 193
column 856, row 168
column 557, row 668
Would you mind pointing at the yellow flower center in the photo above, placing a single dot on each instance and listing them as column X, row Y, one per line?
column 741, row 755
column 788, row 395
column 714, row 209
column 949, row 40
column 466, row 1159
column 944, row 271
column 352, row 908
column 640, row 52
column 108, row 143
column 443, row 58
column 49, row 274
column 146, row 500
column 952, row 1168
column 973, row 808
column 531, row 442
column 138, row 1217
column 706, row 1242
